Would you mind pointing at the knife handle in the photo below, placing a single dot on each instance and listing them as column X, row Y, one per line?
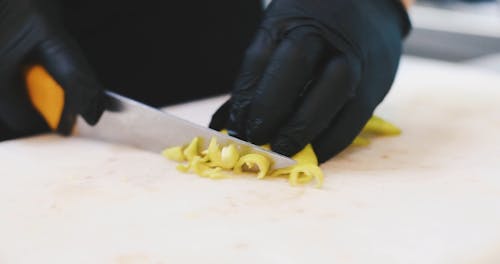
column 46, row 95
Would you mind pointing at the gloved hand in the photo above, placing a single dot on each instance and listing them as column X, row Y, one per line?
column 30, row 32
column 315, row 72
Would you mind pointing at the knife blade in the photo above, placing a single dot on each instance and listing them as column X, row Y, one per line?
column 145, row 127
column 133, row 123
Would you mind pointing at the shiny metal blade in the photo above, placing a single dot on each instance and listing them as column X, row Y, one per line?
column 145, row 127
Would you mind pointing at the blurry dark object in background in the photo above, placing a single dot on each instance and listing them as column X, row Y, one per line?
column 460, row 31
column 477, row 1
column 454, row 1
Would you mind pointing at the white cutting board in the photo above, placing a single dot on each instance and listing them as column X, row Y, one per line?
column 431, row 195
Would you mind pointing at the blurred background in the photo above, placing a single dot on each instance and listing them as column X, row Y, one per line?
column 461, row 31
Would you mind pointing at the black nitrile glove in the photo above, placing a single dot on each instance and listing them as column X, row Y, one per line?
column 30, row 33
column 315, row 72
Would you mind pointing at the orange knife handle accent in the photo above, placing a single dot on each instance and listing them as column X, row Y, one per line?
column 46, row 95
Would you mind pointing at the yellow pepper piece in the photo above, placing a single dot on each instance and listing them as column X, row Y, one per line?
column 306, row 156
column 281, row 172
column 183, row 168
column 309, row 171
column 192, row 149
column 197, row 165
column 214, row 152
column 200, row 164
column 360, row 142
column 305, row 170
column 266, row 147
column 376, row 126
column 215, row 173
column 175, row 154
column 379, row 126
column 251, row 160
column 225, row 158
column 229, row 157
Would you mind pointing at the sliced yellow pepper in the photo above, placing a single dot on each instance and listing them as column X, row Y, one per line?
column 305, row 170
column 215, row 173
column 198, row 165
column 379, row 126
column 229, row 157
column 306, row 156
column 211, row 162
column 375, row 126
column 192, row 150
column 174, row 153
column 183, row 168
column 251, row 160
column 360, row 142
column 303, row 173
column 214, row 153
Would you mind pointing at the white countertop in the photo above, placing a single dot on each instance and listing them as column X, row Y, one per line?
column 431, row 195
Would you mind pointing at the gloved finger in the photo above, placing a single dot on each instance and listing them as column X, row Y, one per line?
column 290, row 70
column 83, row 92
column 254, row 63
column 5, row 132
column 343, row 129
column 219, row 118
column 16, row 111
column 319, row 106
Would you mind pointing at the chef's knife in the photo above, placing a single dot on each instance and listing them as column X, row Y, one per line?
column 133, row 123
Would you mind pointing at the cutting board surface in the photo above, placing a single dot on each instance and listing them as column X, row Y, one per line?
column 431, row 195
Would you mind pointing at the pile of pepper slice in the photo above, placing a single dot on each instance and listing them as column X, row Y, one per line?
column 213, row 161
